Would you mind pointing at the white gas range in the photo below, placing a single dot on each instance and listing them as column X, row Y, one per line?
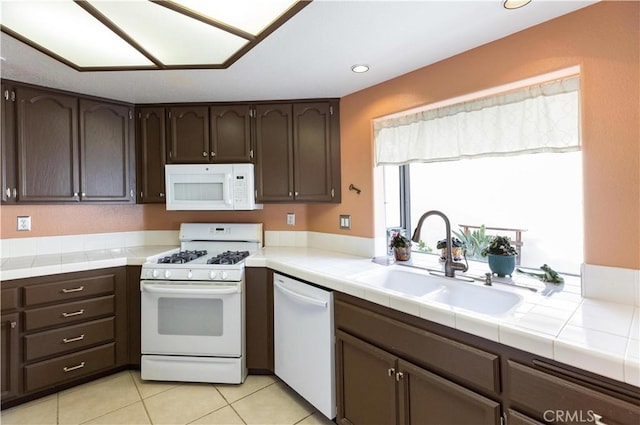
column 192, row 305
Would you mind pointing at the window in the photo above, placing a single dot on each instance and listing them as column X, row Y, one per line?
column 510, row 160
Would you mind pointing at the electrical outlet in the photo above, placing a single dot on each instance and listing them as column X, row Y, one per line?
column 345, row 222
column 291, row 219
column 24, row 223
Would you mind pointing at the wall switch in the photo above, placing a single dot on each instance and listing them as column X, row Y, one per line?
column 24, row 223
column 345, row 222
column 291, row 219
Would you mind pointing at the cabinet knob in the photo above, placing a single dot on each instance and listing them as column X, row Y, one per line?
column 213, row 154
column 83, row 194
column 296, row 193
column 13, row 324
column 75, row 194
column 399, row 376
column 161, row 195
column 15, row 193
column 290, row 194
column 8, row 193
column 131, row 193
column 391, row 371
column 205, row 154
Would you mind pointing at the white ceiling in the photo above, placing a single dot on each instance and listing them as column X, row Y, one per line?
column 309, row 56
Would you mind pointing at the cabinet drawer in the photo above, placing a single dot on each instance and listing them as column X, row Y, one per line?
column 67, row 290
column 71, row 366
column 69, row 338
column 9, row 299
column 459, row 362
column 538, row 393
column 63, row 314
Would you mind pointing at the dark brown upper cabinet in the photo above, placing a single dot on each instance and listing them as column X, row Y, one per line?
column 106, row 152
column 8, row 145
column 188, row 135
column 70, row 149
column 47, row 157
column 230, row 133
column 274, row 153
column 152, row 154
column 298, row 152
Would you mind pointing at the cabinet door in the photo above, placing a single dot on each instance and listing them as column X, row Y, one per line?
column 230, row 133
column 312, row 151
column 8, row 144
column 133, row 307
column 426, row 399
column 106, row 152
column 189, row 134
column 47, row 128
column 274, row 153
column 10, row 355
column 259, row 319
column 365, row 383
column 152, row 154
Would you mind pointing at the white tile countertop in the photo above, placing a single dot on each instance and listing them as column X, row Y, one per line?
column 598, row 336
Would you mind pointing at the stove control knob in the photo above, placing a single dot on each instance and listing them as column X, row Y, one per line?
column 224, row 275
column 167, row 274
column 189, row 274
column 213, row 275
column 154, row 273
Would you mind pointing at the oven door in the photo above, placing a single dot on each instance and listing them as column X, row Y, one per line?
column 183, row 318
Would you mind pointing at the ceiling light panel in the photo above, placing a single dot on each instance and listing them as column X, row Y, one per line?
column 65, row 29
column 172, row 38
column 251, row 16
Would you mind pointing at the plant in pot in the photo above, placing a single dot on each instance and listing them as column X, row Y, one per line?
column 502, row 256
column 475, row 241
column 457, row 248
column 401, row 247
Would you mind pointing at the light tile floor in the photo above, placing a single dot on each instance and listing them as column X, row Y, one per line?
column 124, row 398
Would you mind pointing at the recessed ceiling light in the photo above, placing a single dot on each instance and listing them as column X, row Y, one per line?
column 359, row 69
column 515, row 4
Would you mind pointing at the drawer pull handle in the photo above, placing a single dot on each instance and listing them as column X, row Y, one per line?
column 78, row 289
column 75, row 313
column 68, row 340
column 72, row 368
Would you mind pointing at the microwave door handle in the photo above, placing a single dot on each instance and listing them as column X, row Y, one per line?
column 162, row 289
column 228, row 189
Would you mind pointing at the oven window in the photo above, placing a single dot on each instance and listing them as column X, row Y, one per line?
column 190, row 316
column 198, row 191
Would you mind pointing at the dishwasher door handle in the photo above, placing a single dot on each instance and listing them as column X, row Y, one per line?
column 301, row 298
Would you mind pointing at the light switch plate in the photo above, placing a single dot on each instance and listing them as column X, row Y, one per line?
column 345, row 221
column 291, row 219
column 24, row 223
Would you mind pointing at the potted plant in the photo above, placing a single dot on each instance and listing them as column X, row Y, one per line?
column 474, row 241
column 401, row 247
column 457, row 248
column 502, row 256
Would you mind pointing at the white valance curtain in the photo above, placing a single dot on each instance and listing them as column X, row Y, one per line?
column 538, row 118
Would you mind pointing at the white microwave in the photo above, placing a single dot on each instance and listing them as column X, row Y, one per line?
column 210, row 187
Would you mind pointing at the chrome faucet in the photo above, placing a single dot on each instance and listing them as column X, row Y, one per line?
column 450, row 266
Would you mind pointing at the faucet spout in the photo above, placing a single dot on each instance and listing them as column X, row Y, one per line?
column 450, row 266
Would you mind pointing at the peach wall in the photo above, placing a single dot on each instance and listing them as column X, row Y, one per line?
column 55, row 220
column 604, row 40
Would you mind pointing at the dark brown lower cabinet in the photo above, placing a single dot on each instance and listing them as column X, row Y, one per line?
column 259, row 319
column 515, row 418
column 376, row 387
column 10, row 355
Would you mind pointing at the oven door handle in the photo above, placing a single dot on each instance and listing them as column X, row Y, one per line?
column 302, row 298
column 162, row 289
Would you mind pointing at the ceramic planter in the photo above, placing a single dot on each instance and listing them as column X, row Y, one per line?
column 402, row 253
column 502, row 265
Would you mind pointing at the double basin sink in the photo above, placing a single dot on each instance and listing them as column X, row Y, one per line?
column 473, row 297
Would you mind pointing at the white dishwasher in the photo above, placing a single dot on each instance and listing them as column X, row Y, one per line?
column 304, row 342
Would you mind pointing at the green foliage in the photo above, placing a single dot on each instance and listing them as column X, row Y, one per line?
column 500, row 245
column 423, row 247
column 475, row 241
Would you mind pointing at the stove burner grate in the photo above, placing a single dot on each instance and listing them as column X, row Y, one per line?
column 182, row 257
column 228, row 257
